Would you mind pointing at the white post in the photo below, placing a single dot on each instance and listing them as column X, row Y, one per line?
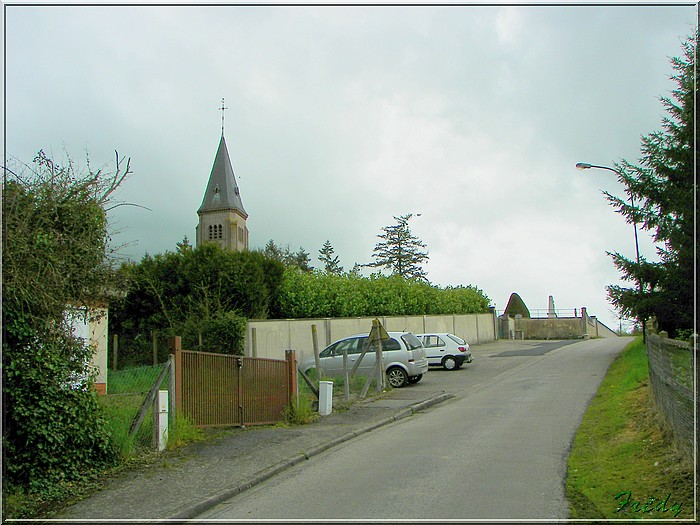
column 325, row 397
column 162, row 420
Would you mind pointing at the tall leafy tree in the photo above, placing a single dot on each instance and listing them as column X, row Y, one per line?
column 331, row 262
column 400, row 251
column 663, row 188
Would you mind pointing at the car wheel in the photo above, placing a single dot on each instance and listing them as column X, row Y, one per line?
column 449, row 362
column 415, row 379
column 397, row 377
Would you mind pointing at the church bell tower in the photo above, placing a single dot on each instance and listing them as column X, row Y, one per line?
column 222, row 218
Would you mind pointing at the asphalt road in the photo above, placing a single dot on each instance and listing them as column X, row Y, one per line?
column 496, row 451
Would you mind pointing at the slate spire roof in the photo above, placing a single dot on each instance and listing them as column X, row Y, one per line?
column 222, row 192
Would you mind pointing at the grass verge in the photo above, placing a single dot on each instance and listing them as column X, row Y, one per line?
column 623, row 463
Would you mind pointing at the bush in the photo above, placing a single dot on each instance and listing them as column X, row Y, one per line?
column 55, row 431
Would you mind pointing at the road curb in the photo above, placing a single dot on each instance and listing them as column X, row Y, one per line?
column 265, row 474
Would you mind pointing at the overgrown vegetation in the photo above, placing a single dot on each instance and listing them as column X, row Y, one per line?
column 623, row 453
column 301, row 410
column 663, row 186
column 55, row 248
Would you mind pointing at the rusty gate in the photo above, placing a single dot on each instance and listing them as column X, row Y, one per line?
column 223, row 390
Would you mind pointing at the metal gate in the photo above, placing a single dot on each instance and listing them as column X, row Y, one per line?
column 223, row 390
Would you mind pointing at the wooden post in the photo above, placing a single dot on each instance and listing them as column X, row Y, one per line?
column 171, row 391
column 155, row 347
column 115, row 350
column 314, row 339
column 346, row 384
column 290, row 356
column 380, row 356
column 177, row 350
column 253, row 343
column 152, row 395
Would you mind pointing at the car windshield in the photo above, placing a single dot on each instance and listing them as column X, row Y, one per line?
column 457, row 339
column 412, row 342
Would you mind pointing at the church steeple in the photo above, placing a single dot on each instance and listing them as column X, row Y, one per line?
column 222, row 192
column 222, row 218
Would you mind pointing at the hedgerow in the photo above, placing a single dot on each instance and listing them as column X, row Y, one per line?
column 320, row 294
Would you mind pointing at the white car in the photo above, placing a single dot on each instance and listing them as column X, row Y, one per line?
column 403, row 355
column 446, row 350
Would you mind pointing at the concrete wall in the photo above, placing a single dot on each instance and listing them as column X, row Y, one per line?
column 583, row 327
column 270, row 338
column 556, row 328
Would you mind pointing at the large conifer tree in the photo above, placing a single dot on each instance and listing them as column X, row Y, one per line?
column 400, row 251
column 663, row 186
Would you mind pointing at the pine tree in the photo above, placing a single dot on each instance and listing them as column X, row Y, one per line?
column 400, row 251
column 300, row 258
column 663, row 186
column 330, row 261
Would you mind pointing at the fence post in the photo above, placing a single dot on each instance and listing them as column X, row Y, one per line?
column 171, row 390
column 115, row 350
column 346, row 383
column 290, row 356
column 314, row 340
column 177, row 348
column 155, row 347
column 253, row 342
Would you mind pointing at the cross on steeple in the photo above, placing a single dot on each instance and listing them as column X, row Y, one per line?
column 222, row 108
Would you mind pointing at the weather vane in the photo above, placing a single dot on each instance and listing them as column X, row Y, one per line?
column 222, row 108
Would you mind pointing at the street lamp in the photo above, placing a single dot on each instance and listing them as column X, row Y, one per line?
column 586, row 166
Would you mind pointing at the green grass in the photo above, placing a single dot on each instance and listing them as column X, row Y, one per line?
column 623, row 452
column 133, row 380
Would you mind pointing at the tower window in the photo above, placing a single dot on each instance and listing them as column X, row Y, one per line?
column 216, row 231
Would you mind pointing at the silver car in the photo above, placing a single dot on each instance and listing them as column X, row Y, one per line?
column 446, row 350
column 403, row 354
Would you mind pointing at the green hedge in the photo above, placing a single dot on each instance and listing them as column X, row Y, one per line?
column 319, row 294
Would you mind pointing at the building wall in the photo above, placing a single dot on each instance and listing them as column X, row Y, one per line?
column 92, row 327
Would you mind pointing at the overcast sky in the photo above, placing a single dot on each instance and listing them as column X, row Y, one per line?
column 340, row 118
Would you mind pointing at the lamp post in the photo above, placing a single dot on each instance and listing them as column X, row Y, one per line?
column 586, row 166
